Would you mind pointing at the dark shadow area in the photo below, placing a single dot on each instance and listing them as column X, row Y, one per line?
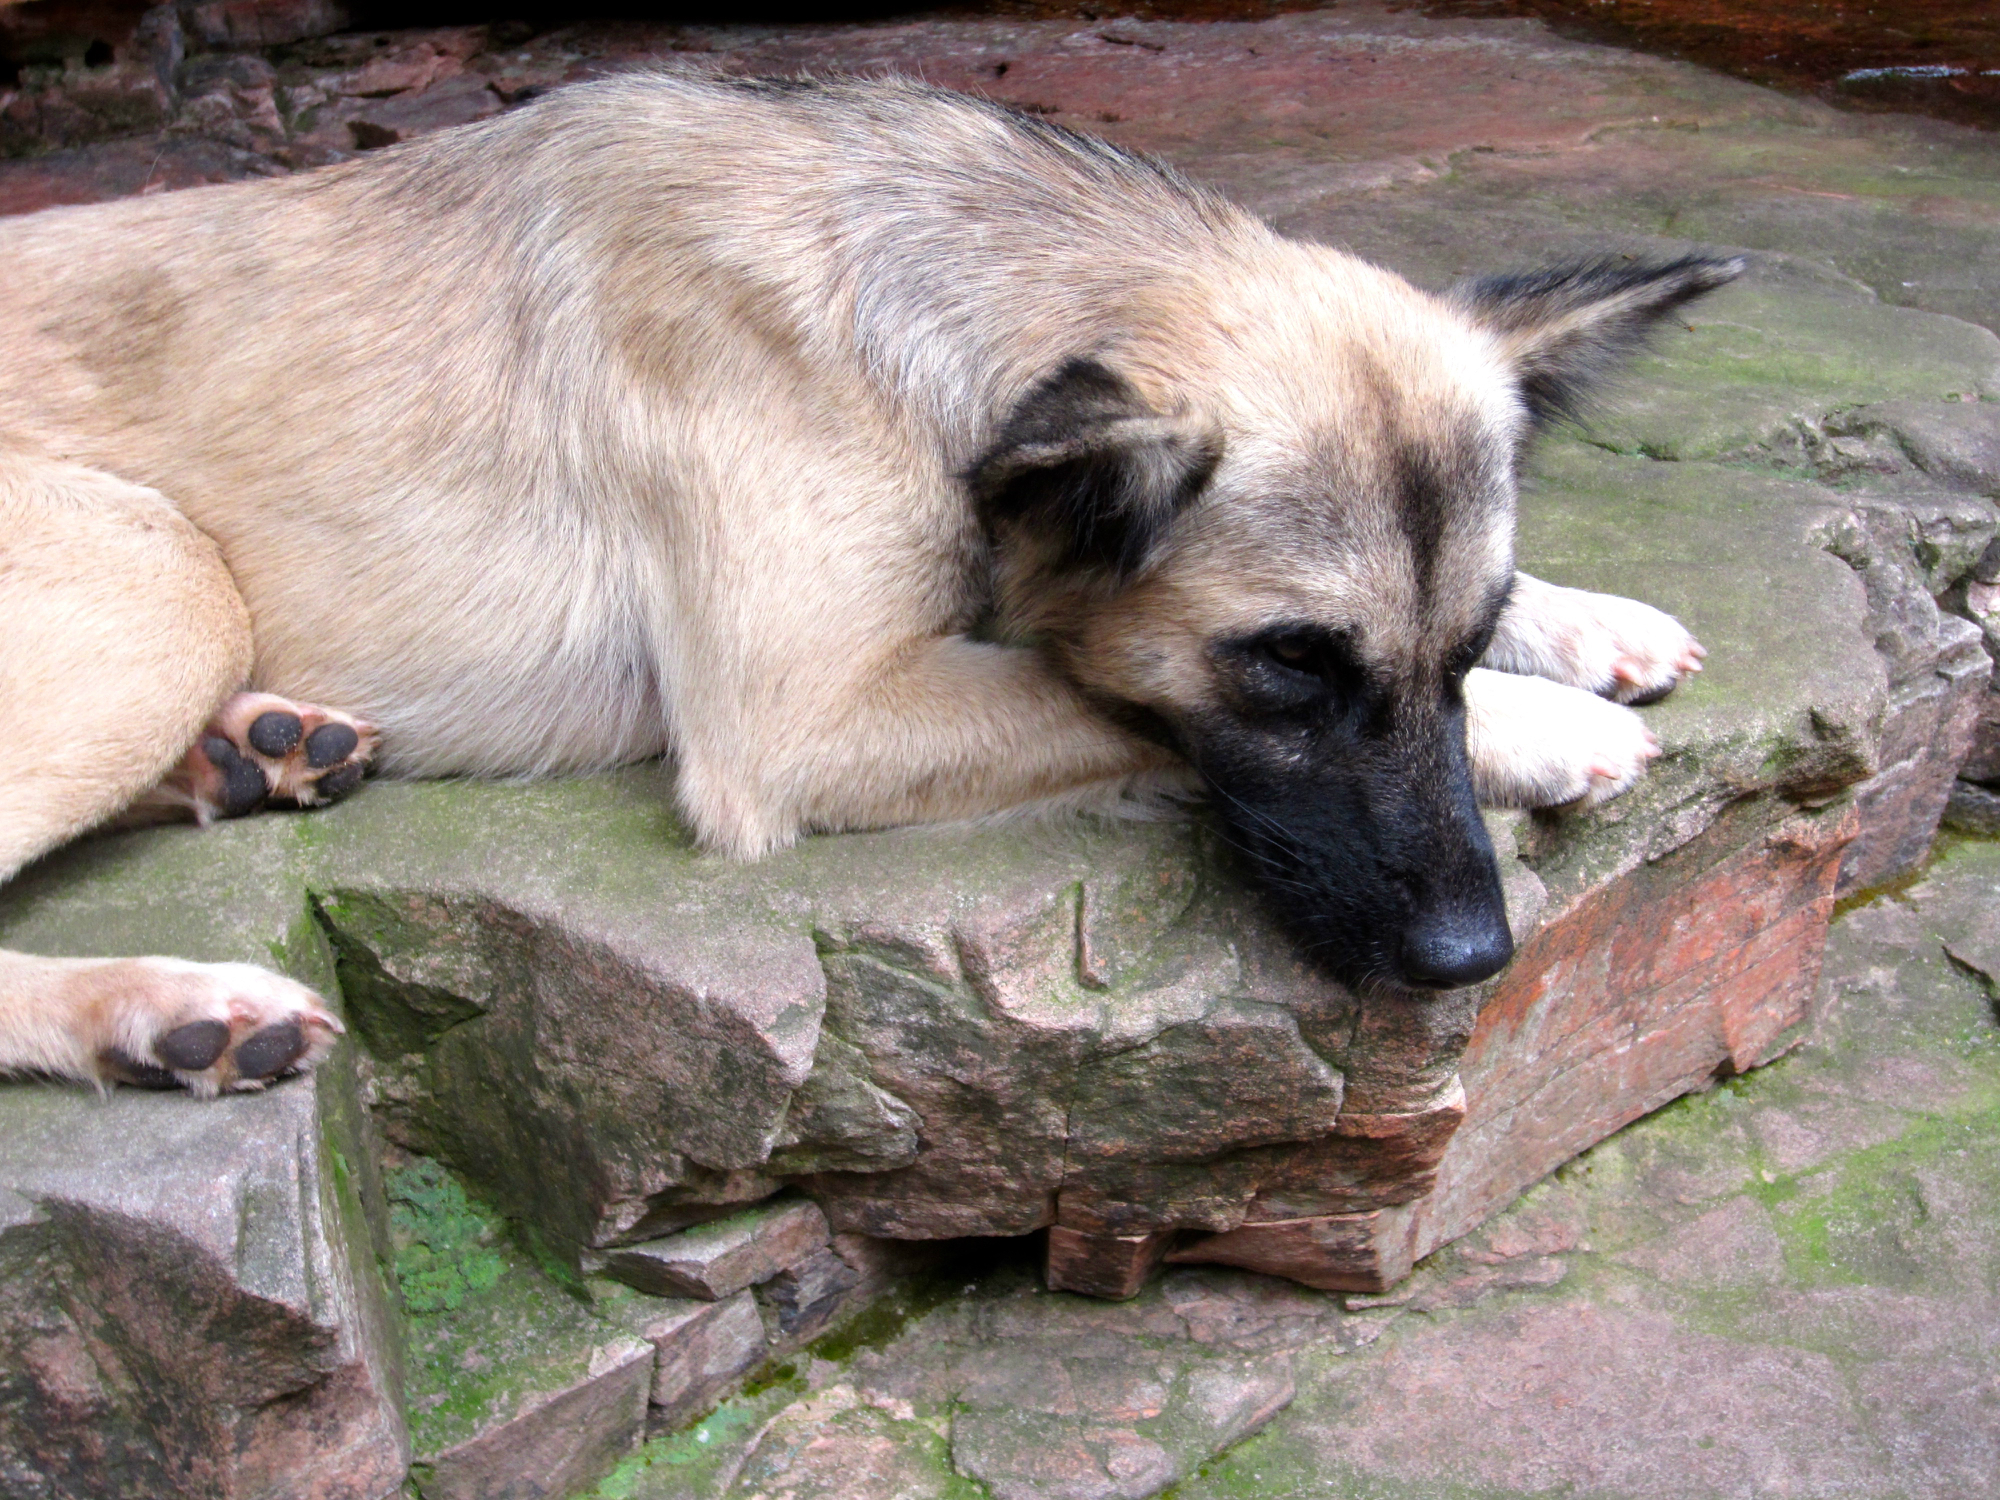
column 1936, row 57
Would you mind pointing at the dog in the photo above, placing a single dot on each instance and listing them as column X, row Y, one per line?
column 880, row 454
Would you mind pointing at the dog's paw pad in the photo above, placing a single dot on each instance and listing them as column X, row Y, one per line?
column 193, row 1047
column 275, row 733
column 260, row 747
column 267, row 1053
column 213, row 1027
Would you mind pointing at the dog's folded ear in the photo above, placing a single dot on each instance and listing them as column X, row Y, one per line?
column 1565, row 328
column 1087, row 469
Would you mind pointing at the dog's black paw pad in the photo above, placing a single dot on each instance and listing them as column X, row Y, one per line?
column 193, row 1047
column 330, row 744
column 275, row 733
column 243, row 786
column 266, row 1053
column 339, row 781
column 1642, row 699
column 126, row 1068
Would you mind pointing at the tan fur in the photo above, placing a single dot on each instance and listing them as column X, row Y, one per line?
column 632, row 424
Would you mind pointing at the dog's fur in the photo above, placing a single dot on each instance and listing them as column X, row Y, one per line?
column 881, row 455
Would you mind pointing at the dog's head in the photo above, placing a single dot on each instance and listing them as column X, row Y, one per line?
column 1280, row 529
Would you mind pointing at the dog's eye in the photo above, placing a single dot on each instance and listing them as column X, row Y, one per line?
column 1293, row 665
column 1295, row 654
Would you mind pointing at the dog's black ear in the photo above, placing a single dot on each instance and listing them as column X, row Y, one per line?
column 1565, row 328
column 1085, row 465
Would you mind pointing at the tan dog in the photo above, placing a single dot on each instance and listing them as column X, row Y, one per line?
column 879, row 454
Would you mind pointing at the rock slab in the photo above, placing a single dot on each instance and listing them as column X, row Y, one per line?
column 190, row 1303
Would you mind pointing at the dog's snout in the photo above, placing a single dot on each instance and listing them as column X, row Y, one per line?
column 1456, row 948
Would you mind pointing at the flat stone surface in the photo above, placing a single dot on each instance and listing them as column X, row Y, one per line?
column 189, row 1299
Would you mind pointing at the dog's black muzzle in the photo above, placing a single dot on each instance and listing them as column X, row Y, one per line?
column 1370, row 850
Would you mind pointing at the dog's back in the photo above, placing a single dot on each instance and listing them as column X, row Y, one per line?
column 446, row 409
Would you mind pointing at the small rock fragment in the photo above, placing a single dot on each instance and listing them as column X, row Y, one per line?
column 713, row 1261
column 703, row 1348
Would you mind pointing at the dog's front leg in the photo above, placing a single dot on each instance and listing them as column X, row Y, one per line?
column 1536, row 743
column 1615, row 647
column 944, row 728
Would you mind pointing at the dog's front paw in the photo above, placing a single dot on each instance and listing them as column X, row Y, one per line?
column 163, row 1023
column 1536, row 743
column 1618, row 648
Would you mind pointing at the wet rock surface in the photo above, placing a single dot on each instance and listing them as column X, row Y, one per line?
column 929, row 1034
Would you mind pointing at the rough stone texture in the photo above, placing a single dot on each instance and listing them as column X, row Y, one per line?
column 718, row 1259
column 518, row 1388
column 1103, row 1265
column 703, row 1348
column 189, row 1300
column 558, row 1440
column 1782, row 1286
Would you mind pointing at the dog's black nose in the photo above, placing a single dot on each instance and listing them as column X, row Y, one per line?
column 1460, row 948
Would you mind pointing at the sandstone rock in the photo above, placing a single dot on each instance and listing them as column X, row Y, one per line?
column 702, row 1349
column 1335, row 1253
column 715, row 1260
column 518, row 1389
column 1102, row 1265
column 807, row 1296
column 241, row 24
column 555, row 1442
column 836, row 1445
column 950, row 1032
column 1957, row 444
column 1973, row 808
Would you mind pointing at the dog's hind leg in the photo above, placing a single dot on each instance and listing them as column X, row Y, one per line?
column 121, row 633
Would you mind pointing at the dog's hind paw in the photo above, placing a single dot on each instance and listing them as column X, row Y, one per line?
column 261, row 748
column 1536, row 743
column 162, row 1023
column 1615, row 647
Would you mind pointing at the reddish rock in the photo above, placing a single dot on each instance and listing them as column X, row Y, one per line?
column 242, row 24
column 1929, row 736
column 1702, row 965
column 557, row 1442
column 1102, row 1265
column 1336, row 1253
column 702, row 1349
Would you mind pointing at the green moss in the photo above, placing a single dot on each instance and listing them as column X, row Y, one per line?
column 885, row 1319
column 680, row 1463
column 1864, row 1219
column 443, row 1241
